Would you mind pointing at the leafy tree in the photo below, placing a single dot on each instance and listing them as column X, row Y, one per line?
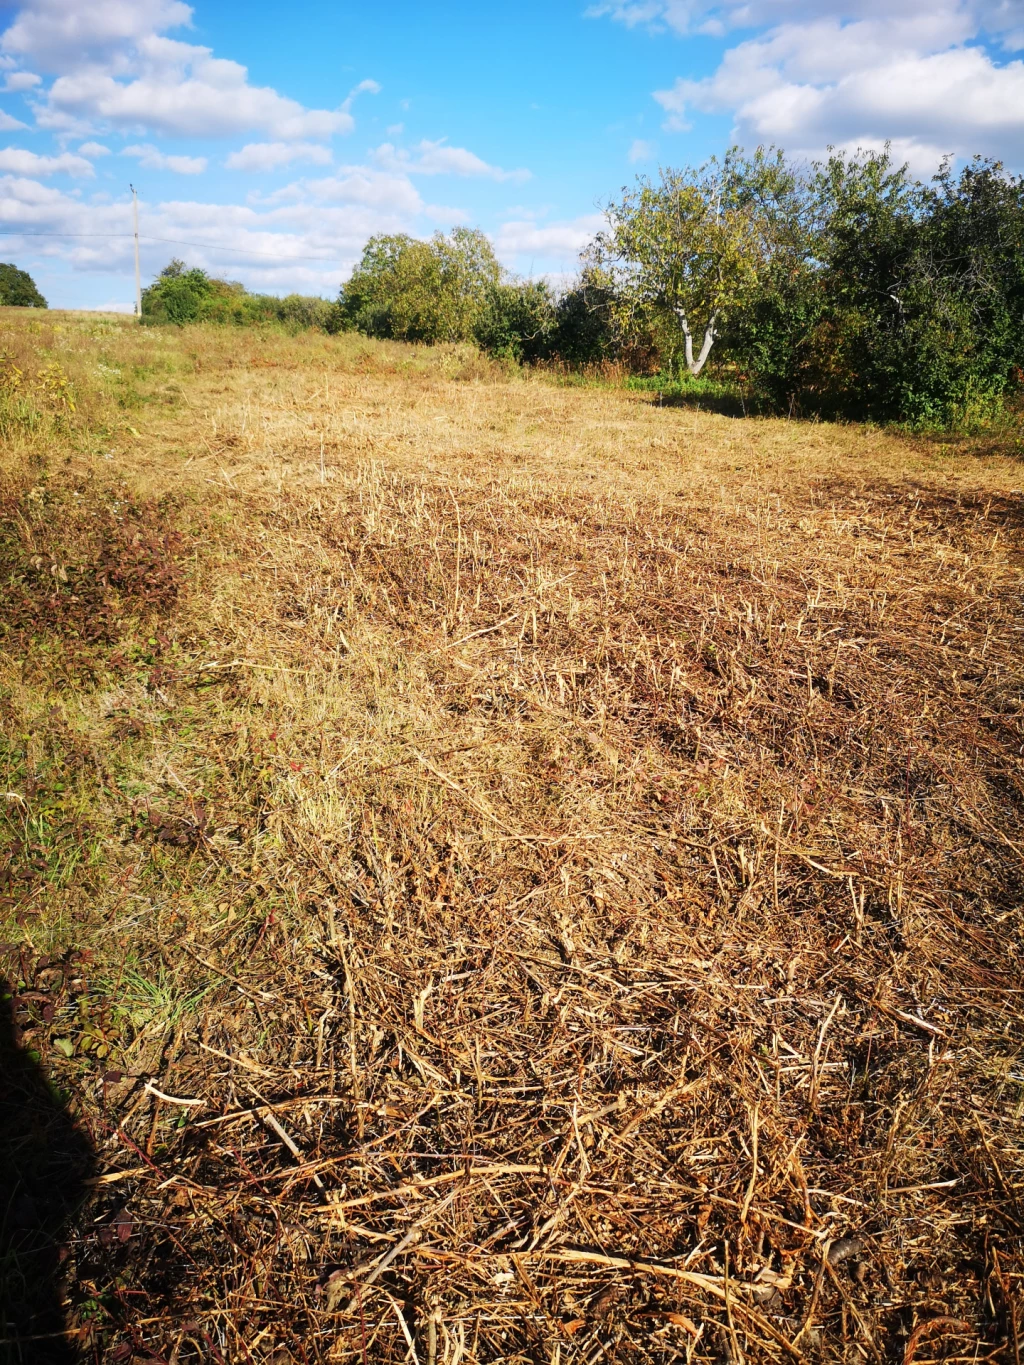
column 967, row 304
column 18, row 289
column 681, row 255
column 411, row 290
column 178, row 295
column 879, row 297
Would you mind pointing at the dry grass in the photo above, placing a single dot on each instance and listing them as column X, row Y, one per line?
column 548, row 867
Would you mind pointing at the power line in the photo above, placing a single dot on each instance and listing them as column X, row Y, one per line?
column 169, row 241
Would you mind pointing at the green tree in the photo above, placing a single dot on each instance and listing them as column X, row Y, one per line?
column 827, row 327
column 963, row 302
column 681, row 255
column 411, row 290
column 18, row 289
column 178, row 295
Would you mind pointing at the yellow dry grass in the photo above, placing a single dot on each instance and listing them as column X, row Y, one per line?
column 548, row 865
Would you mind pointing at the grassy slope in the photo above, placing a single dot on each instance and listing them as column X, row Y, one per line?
column 608, row 813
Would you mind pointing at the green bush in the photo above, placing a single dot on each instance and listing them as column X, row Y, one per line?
column 584, row 330
column 516, row 321
column 179, row 296
column 890, row 300
column 408, row 290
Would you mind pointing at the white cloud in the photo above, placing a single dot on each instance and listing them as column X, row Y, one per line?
column 22, row 80
column 437, row 158
column 18, row 161
column 1001, row 18
column 381, row 191
column 860, row 85
column 271, row 156
column 155, row 160
column 114, row 67
column 94, row 149
column 525, row 238
column 640, row 150
column 854, row 73
column 305, row 238
column 8, row 123
column 184, row 91
column 68, row 33
column 363, row 88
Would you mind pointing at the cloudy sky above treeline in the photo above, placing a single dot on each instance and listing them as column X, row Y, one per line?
column 267, row 142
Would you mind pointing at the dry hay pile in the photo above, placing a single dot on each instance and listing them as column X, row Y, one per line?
column 582, row 894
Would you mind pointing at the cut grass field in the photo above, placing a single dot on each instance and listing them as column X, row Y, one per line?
column 498, row 871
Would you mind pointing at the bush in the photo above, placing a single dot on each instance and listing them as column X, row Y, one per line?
column 893, row 301
column 517, row 321
column 179, row 296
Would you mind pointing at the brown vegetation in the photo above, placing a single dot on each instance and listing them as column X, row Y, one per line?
column 505, row 872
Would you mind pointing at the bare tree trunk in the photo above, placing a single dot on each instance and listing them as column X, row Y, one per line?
column 695, row 366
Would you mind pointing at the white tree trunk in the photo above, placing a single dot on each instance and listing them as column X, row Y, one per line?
column 695, row 366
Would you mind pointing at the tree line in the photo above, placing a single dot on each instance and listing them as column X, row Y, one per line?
column 843, row 288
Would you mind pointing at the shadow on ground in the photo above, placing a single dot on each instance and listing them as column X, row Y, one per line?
column 45, row 1162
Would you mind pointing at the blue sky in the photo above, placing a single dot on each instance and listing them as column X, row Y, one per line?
column 268, row 142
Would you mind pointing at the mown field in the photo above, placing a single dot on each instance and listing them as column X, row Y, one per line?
column 498, row 871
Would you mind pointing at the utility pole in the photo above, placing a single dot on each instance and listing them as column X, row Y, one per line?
column 138, row 272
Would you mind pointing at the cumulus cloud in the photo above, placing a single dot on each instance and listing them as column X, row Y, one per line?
column 21, row 80
column 115, row 66
column 8, row 123
column 437, row 158
column 18, row 161
column 271, row 156
column 1001, row 18
column 870, row 87
column 381, row 191
column 155, row 160
column 305, row 238
column 183, row 91
column 523, row 237
column 855, row 73
column 93, row 149
column 68, row 33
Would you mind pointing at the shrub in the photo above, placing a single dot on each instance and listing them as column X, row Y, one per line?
column 179, row 295
column 517, row 321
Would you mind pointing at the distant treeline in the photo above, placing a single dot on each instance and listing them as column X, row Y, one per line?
column 179, row 295
column 842, row 288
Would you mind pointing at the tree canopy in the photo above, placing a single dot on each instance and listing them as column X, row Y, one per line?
column 682, row 254
column 18, row 289
column 842, row 287
column 410, row 290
